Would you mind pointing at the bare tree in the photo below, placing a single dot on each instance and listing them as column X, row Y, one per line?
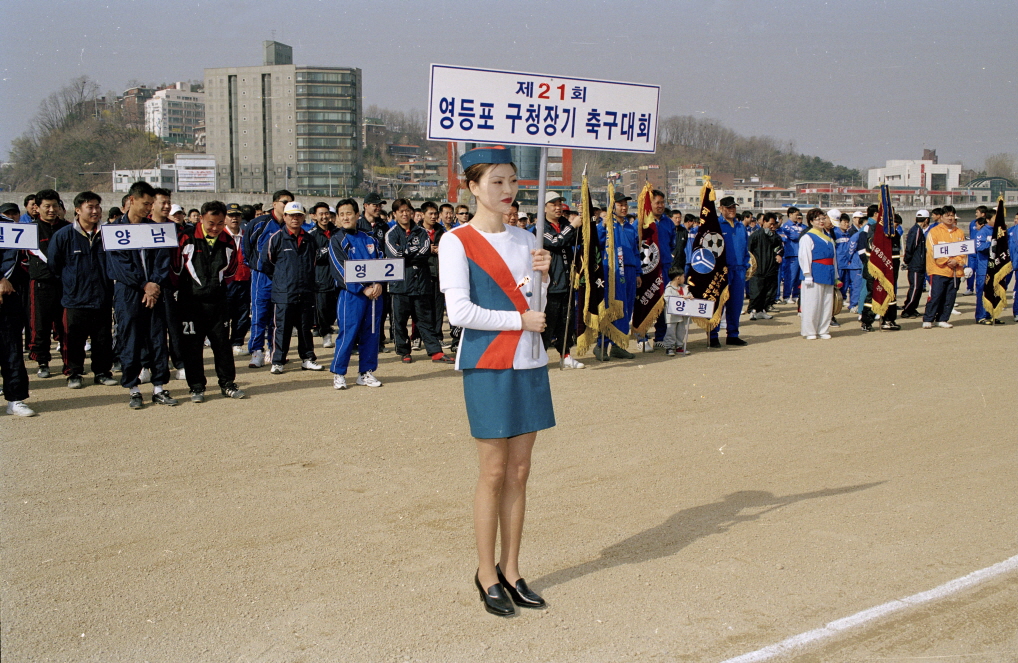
column 1001, row 165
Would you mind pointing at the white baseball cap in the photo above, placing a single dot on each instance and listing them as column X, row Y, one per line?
column 175, row 208
column 523, row 216
column 552, row 196
column 859, row 215
column 835, row 214
column 293, row 208
column 922, row 214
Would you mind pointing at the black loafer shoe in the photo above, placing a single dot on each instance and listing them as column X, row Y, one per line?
column 715, row 343
column 495, row 600
column 735, row 340
column 521, row 595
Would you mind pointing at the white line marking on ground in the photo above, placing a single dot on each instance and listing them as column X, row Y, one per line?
column 860, row 618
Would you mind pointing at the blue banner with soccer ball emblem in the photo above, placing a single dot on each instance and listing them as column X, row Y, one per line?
column 708, row 266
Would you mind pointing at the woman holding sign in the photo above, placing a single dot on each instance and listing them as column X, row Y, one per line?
column 485, row 271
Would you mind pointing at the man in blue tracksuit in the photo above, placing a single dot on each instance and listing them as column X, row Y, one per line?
column 854, row 271
column 666, row 248
column 1012, row 246
column 288, row 258
column 737, row 255
column 982, row 235
column 842, row 240
column 980, row 217
column 790, row 231
column 627, row 262
column 358, row 307
column 256, row 236
column 139, row 277
column 77, row 257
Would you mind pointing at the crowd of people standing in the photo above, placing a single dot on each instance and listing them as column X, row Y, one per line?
column 243, row 281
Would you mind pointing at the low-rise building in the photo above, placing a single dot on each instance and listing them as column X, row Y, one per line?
column 916, row 174
column 174, row 113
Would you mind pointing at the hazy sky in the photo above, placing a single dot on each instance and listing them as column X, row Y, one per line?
column 853, row 81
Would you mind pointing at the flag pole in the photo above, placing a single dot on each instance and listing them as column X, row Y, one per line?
column 538, row 299
column 569, row 302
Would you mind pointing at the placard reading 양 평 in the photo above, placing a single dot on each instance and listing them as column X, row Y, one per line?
column 694, row 308
column 951, row 249
column 513, row 108
column 135, row 236
column 24, row 236
column 373, row 271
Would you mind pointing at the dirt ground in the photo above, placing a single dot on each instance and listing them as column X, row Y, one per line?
column 687, row 509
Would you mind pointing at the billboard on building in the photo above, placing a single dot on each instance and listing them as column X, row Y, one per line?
column 196, row 172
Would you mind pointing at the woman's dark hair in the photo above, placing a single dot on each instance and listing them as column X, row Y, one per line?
column 813, row 214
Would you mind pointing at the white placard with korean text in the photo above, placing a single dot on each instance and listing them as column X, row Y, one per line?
column 513, row 108
column 951, row 249
column 373, row 271
column 135, row 236
column 693, row 308
column 19, row 236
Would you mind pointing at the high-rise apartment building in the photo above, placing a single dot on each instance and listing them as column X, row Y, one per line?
column 284, row 126
column 174, row 113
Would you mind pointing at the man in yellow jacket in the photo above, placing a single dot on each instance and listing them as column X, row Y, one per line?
column 946, row 272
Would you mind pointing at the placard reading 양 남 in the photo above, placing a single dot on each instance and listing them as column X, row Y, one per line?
column 513, row 108
column 135, row 236
column 19, row 236
column 373, row 271
column 951, row 249
column 694, row 308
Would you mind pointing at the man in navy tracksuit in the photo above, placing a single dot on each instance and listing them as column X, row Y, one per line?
column 915, row 263
column 77, row 257
column 666, row 240
column 414, row 295
column 45, row 312
column 358, row 307
column 238, row 290
column 288, row 259
column 325, row 287
column 12, row 321
column 139, row 277
column 843, row 250
column 205, row 261
column 737, row 255
column 256, row 236
column 790, row 232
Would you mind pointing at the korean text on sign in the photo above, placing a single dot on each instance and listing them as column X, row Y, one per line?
column 951, row 249
column 694, row 308
column 134, row 236
column 373, row 271
column 19, row 236
column 486, row 106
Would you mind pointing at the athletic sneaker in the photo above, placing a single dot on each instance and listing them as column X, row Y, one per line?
column 137, row 401
column 144, row 376
column 74, row 382
column 231, row 390
column 984, row 321
column 955, row 311
column 646, row 345
column 890, row 326
column 310, row 365
column 569, row 362
column 43, row 371
column 257, row 359
column 339, row 382
column 670, row 352
column 835, row 323
column 945, row 325
column 407, row 359
column 442, row 358
column 19, row 409
column 927, row 325
column 763, row 315
column 415, row 344
column 327, row 341
column 752, row 315
column 367, row 380
column 811, row 338
column 106, row 379
column 163, row 398
column 237, row 349
column 197, row 396
column 826, row 337
column 619, row 353
column 277, row 369
column 181, row 375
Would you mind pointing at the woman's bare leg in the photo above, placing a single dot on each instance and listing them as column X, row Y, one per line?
column 513, row 504
column 492, row 456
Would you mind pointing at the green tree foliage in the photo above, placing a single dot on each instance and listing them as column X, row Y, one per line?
column 77, row 132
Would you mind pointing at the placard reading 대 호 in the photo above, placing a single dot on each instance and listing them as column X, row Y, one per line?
column 694, row 308
column 135, row 236
column 373, row 271
column 514, row 108
column 19, row 236
column 951, row 249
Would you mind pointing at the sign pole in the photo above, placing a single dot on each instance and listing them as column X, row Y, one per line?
column 542, row 187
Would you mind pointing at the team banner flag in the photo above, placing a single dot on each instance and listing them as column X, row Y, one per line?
column 708, row 273
column 881, row 266
column 614, row 272
column 650, row 292
column 999, row 266
column 590, row 280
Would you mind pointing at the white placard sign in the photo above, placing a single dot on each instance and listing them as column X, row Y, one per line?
column 19, row 236
column 513, row 108
column 694, row 308
column 134, row 236
column 951, row 249
column 373, row 271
